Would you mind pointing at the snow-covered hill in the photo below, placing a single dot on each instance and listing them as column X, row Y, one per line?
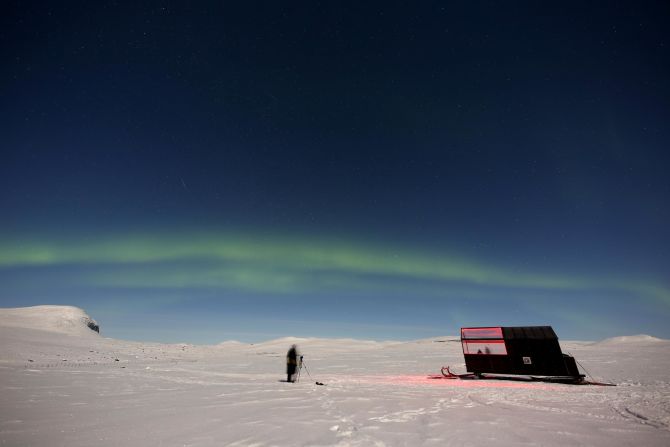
column 63, row 319
column 65, row 390
column 634, row 339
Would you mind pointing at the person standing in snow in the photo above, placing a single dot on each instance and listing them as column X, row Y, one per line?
column 291, row 363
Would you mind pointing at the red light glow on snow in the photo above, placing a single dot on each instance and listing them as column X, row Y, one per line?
column 459, row 383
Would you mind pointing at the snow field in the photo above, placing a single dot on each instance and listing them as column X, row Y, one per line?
column 79, row 389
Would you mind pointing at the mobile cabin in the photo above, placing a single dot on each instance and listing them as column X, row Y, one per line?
column 526, row 351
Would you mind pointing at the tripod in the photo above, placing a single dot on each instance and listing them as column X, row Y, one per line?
column 300, row 365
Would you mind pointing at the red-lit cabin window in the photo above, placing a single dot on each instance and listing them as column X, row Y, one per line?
column 483, row 340
column 484, row 347
column 482, row 332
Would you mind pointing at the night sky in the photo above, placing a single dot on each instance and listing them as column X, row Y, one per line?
column 203, row 171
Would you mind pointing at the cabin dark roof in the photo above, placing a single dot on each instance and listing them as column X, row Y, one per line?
column 529, row 333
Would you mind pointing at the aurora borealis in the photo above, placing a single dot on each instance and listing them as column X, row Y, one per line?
column 208, row 172
column 273, row 265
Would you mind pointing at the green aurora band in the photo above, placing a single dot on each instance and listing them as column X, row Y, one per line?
column 282, row 265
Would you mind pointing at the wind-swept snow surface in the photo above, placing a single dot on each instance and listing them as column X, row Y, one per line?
column 75, row 388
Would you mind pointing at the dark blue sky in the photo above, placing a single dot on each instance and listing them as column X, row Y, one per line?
column 385, row 170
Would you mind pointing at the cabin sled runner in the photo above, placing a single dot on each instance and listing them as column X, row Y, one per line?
column 522, row 353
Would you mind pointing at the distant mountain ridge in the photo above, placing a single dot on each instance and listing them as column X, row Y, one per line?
column 75, row 321
column 632, row 339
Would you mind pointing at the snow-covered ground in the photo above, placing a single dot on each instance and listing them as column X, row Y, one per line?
column 64, row 385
